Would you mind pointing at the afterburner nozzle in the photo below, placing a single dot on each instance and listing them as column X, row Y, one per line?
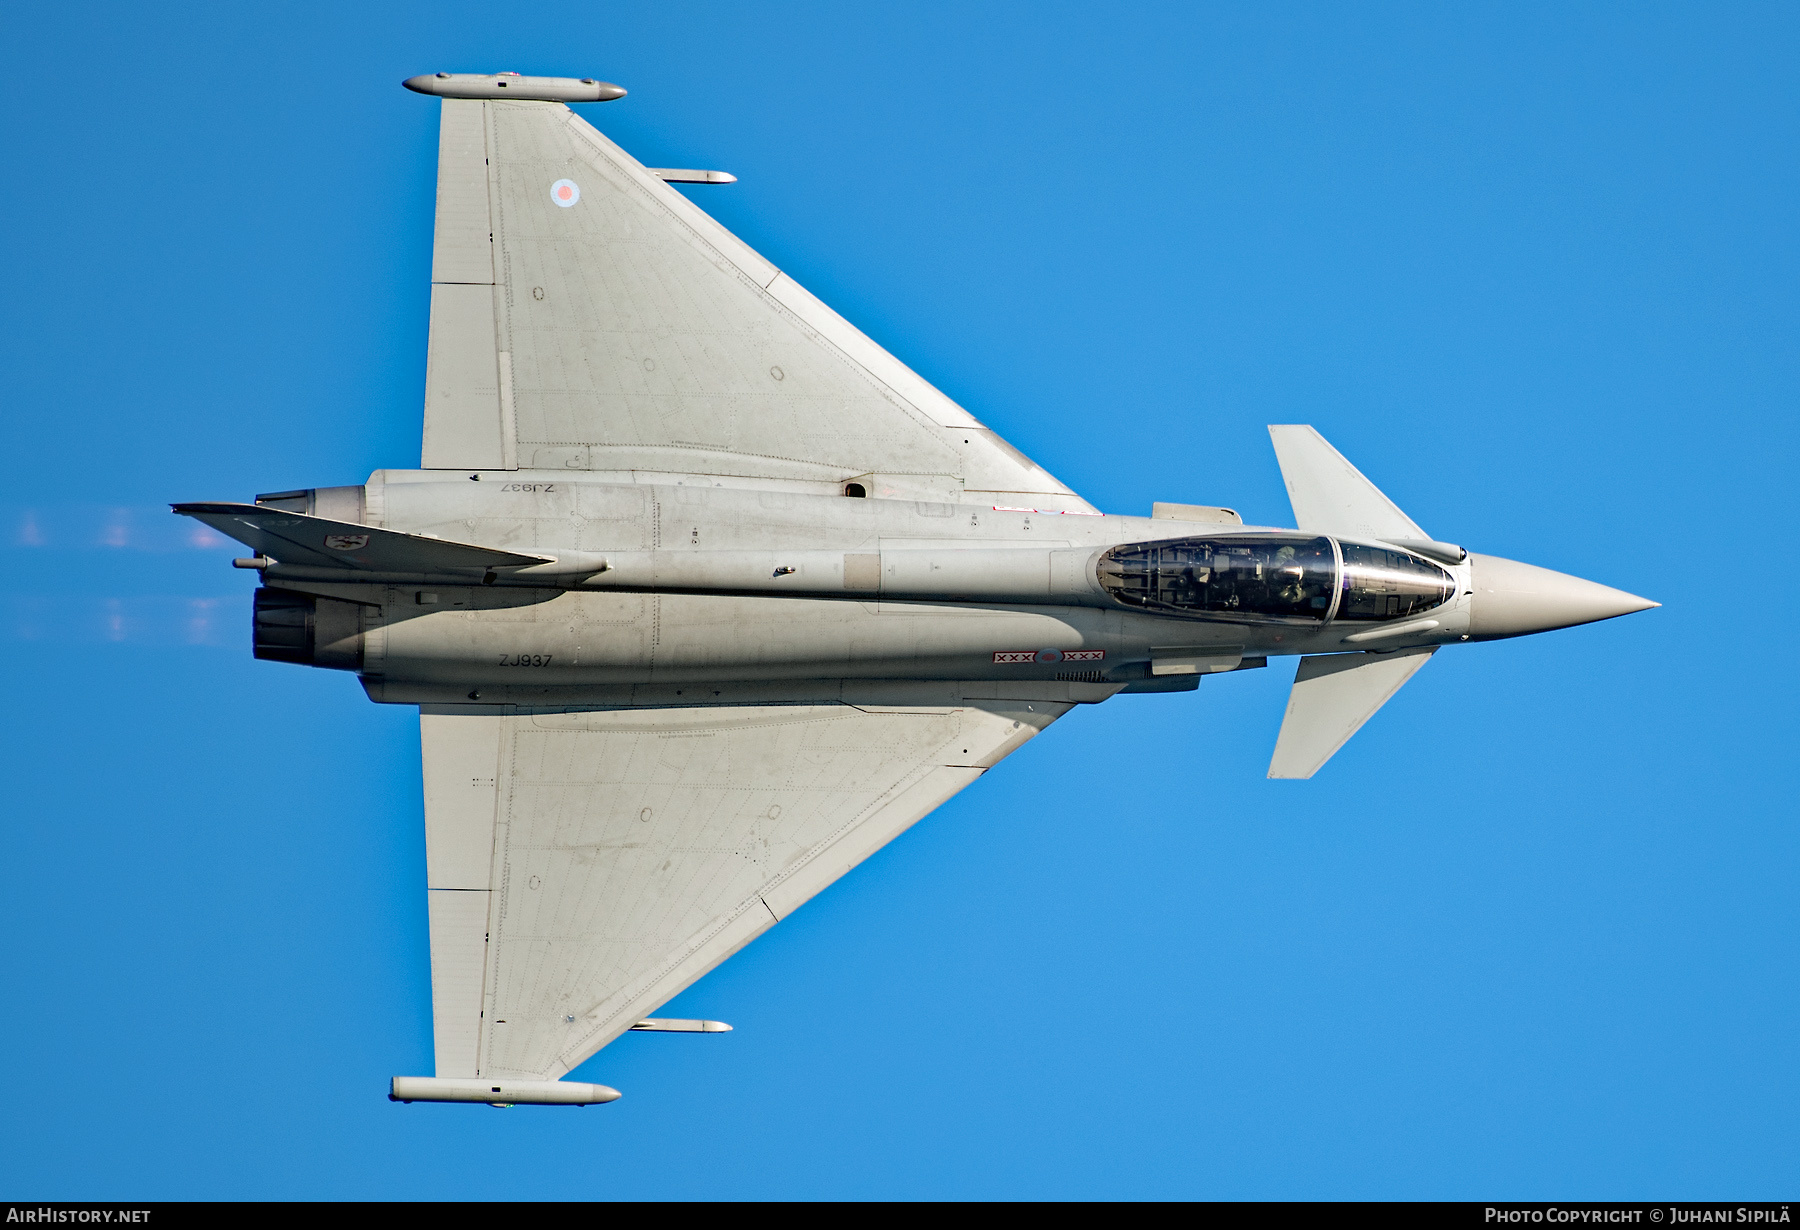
column 1514, row 599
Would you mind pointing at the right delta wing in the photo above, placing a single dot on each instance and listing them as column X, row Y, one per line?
column 587, row 316
column 586, row 867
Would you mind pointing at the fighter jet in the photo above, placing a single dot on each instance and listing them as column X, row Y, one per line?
column 704, row 597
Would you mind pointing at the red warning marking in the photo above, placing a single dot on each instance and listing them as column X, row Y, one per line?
column 1084, row 655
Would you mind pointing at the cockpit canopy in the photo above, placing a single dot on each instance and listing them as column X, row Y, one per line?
column 1272, row 576
column 1382, row 583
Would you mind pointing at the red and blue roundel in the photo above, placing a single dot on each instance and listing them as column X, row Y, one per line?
column 565, row 192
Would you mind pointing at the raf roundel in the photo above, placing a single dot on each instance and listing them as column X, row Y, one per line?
column 565, row 192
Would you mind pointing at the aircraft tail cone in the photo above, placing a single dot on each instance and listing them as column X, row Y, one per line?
column 1514, row 599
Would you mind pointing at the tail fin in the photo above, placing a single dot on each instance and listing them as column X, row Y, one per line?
column 1330, row 496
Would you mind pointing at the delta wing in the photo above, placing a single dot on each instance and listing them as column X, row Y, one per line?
column 587, row 316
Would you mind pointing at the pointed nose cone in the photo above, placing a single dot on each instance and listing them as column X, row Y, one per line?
column 1514, row 599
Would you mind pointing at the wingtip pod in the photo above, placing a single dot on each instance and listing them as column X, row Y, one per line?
column 498, row 1092
column 514, row 86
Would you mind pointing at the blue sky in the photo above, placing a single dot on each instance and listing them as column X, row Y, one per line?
column 1532, row 934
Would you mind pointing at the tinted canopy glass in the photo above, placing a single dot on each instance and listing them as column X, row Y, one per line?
column 1383, row 584
column 1265, row 575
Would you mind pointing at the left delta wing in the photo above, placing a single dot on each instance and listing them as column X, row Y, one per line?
column 586, row 867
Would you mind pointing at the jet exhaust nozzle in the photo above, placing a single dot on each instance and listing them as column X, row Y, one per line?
column 1514, row 599
column 291, row 627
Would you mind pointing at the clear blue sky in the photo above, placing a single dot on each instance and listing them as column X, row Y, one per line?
column 1533, row 934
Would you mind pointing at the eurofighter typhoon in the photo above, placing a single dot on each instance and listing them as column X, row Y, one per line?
column 704, row 597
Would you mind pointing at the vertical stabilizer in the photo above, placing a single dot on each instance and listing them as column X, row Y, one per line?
column 1329, row 495
column 1333, row 695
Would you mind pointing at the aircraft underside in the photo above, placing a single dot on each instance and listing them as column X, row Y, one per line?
column 704, row 597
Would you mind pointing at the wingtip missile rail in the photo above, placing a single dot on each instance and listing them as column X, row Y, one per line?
column 514, row 86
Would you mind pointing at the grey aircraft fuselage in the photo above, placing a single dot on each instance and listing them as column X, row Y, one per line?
column 699, row 583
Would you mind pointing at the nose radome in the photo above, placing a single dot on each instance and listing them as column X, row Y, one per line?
column 1514, row 599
